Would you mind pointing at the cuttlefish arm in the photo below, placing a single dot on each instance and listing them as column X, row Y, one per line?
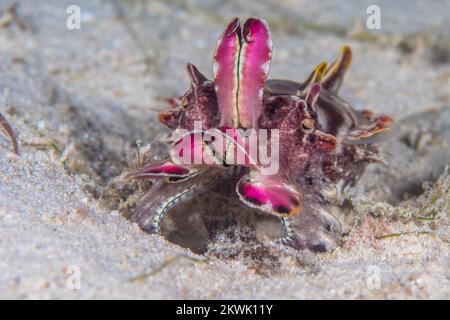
column 164, row 195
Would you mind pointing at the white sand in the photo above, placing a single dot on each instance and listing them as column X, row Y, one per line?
column 91, row 92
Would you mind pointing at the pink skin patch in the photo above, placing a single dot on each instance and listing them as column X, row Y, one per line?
column 270, row 196
column 163, row 168
column 217, row 147
column 254, row 62
column 188, row 150
column 225, row 73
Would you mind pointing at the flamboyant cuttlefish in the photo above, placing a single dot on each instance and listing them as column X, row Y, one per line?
column 322, row 144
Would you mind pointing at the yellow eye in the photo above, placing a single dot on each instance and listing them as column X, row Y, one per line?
column 307, row 125
column 184, row 102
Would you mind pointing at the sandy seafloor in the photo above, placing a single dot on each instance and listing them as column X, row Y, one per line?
column 79, row 99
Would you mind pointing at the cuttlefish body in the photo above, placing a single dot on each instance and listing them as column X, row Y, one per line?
column 320, row 143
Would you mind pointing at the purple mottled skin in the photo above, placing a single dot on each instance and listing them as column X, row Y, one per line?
column 324, row 143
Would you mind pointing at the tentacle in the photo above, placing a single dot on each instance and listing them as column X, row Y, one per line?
column 311, row 98
column 225, row 70
column 10, row 132
column 197, row 77
column 315, row 77
column 374, row 131
column 241, row 65
column 334, row 75
column 164, row 169
column 254, row 63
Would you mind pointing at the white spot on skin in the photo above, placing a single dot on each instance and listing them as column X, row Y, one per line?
column 260, row 93
column 266, row 66
column 215, row 68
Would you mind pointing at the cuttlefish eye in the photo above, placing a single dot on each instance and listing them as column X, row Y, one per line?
column 307, row 125
column 184, row 102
